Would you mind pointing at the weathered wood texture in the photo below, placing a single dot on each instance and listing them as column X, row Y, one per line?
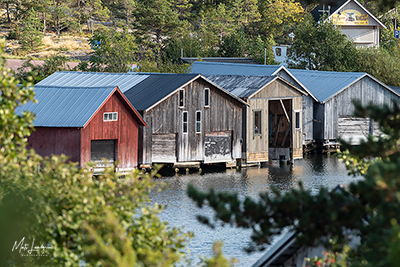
column 257, row 145
column 366, row 90
column 164, row 148
column 223, row 114
column 124, row 131
column 308, row 109
column 217, row 146
column 47, row 141
column 353, row 129
column 297, row 145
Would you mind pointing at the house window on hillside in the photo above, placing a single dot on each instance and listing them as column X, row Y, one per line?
column 181, row 98
column 257, row 122
column 110, row 116
column 185, row 122
column 198, row 122
column 278, row 51
column 207, row 97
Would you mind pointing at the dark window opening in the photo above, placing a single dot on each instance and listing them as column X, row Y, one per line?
column 207, row 97
column 198, row 121
column 297, row 120
column 181, row 98
column 257, row 122
column 185, row 122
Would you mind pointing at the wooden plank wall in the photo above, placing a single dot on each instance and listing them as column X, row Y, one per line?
column 308, row 109
column 125, row 130
column 366, row 90
column 257, row 146
column 297, row 145
column 223, row 114
column 47, row 141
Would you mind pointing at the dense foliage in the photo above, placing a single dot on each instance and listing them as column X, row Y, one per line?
column 371, row 207
column 156, row 33
column 76, row 218
column 321, row 46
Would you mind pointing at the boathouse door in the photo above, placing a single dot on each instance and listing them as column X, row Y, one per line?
column 280, row 133
column 103, row 149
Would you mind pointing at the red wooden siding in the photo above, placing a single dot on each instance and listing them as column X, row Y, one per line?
column 124, row 131
column 47, row 141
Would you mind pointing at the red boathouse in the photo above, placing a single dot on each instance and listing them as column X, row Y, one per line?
column 86, row 124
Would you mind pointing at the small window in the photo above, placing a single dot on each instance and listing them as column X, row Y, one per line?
column 110, row 116
column 257, row 122
column 185, row 122
column 297, row 120
column 198, row 121
column 278, row 51
column 181, row 98
column 207, row 97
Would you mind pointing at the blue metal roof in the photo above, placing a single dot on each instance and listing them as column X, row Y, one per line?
column 65, row 106
column 396, row 89
column 241, row 85
column 124, row 81
column 325, row 84
column 214, row 68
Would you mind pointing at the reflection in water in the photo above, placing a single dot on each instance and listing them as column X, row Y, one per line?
column 313, row 171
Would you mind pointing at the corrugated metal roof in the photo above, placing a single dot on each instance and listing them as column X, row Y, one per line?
column 65, row 106
column 240, row 85
column 155, row 87
column 241, row 60
column 213, row 68
column 325, row 84
column 124, row 81
column 396, row 89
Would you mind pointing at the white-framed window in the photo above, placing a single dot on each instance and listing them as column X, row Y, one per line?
column 297, row 115
column 207, row 97
column 181, row 98
column 185, row 122
column 110, row 116
column 257, row 122
column 198, row 122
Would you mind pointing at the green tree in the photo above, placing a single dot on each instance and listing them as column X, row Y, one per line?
column 87, row 11
column 114, row 51
column 381, row 64
column 31, row 34
column 321, row 46
column 165, row 66
column 52, row 64
column 276, row 15
column 371, row 207
column 190, row 45
column 84, row 220
column 156, row 22
column 60, row 15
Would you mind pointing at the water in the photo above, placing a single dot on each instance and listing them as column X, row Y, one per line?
column 313, row 171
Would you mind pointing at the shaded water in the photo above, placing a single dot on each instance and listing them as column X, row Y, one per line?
column 314, row 171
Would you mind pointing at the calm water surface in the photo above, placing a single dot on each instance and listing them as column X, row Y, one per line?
column 314, row 171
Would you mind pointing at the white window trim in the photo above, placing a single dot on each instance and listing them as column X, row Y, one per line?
column 112, row 115
column 207, row 89
column 254, row 122
column 183, row 122
column 295, row 112
column 183, row 98
column 198, row 132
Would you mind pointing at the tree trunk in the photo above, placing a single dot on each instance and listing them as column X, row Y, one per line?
column 44, row 23
column 8, row 11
